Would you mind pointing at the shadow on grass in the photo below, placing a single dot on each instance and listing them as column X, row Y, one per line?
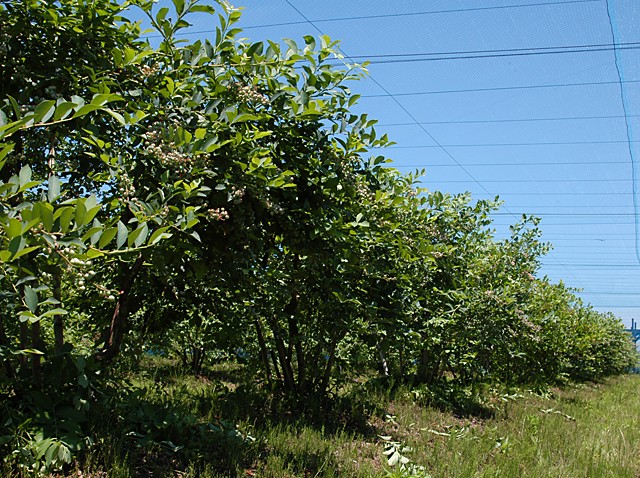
column 445, row 395
column 186, row 427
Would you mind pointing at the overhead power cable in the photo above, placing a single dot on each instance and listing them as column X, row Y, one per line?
column 512, row 120
column 523, row 163
column 538, row 143
column 400, row 105
column 627, row 129
column 464, row 53
column 388, row 15
column 520, row 52
column 414, row 14
column 579, row 214
column 502, row 88
column 578, row 193
column 543, row 180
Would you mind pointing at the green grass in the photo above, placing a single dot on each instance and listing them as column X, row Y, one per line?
column 589, row 430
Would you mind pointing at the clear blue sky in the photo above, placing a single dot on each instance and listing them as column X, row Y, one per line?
column 540, row 110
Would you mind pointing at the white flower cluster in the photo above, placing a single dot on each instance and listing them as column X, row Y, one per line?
column 274, row 209
column 126, row 187
column 248, row 93
column 237, row 194
column 218, row 214
column 147, row 70
column 166, row 153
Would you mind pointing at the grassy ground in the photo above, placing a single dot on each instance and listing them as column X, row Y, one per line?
column 182, row 428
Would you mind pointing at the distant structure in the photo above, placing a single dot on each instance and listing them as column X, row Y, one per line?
column 634, row 331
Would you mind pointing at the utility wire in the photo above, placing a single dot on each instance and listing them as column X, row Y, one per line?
column 389, row 15
column 402, row 107
column 413, row 14
column 523, row 163
column 579, row 214
column 532, row 50
column 412, row 58
column 628, row 128
column 502, row 88
column 512, row 120
column 543, row 180
column 538, row 143
column 589, row 193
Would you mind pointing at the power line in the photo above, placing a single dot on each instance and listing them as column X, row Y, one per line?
column 540, row 143
column 413, row 14
column 611, row 266
column 510, row 120
column 579, row 193
column 548, row 225
column 628, row 127
column 538, row 49
column 502, row 53
column 578, row 214
column 501, row 88
column 543, row 180
column 389, row 15
column 615, row 306
column 581, row 206
column 438, row 145
column 524, row 163
column 610, row 293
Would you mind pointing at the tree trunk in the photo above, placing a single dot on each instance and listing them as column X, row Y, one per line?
column 24, row 342
column 274, row 360
column 58, row 321
column 295, row 338
column 284, row 358
column 120, row 314
column 263, row 350
column 329, row 366
column 4, row 342
column 36, row 343
column 384, row 366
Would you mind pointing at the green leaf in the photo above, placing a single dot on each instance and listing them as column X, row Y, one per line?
column 65, row 218
column 138, row 236
column 54, row 312
column 81, row 212
column 107, row 237
column 241, row 118
column 24, row 252
column 86, row 109
column 45, row 211
column 91, row 213
column 63, row 110
column 157, row 235
column 31, row 298
column 92, row 232
column 118, row 117
column 64, row 454
column 14, row 228
column 44, row 111
column 28, row 352
column 16, row 245
column 6, row 149
column 83, row 380
column 123, row 233
column 24, row 176
column 53, row 190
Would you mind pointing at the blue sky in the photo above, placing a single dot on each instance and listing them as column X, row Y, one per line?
column 540, row 110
